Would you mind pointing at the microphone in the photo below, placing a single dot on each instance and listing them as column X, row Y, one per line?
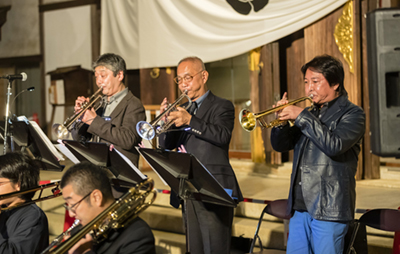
column 21, row 76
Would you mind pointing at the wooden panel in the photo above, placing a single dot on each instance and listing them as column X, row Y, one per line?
column 154, row 90
column 269, row 88
column 132, row 81
column 371, row 161
column 95, row 24
column 319, row 40
column 294, row 61
column 293, row 55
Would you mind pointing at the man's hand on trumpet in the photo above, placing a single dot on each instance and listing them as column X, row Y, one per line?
column 89, row 114
column 180, row 117
column 288, row 113
column 163, row 107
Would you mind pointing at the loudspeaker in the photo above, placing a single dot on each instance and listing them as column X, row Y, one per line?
column 383, row 50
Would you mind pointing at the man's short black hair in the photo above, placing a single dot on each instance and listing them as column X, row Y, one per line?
column 113, row 62
column 19, row 168
column 330, row 67
column 85, row 177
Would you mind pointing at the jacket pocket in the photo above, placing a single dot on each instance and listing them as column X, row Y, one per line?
column 335, row 195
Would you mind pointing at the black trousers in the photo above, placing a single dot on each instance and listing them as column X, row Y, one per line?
column 209, row 227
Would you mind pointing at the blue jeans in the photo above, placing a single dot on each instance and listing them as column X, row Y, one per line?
column 310, row 236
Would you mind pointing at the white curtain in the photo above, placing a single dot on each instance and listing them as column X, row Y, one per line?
column 158, row 33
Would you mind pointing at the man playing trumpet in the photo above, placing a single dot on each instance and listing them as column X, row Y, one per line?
column 23, row 228
column 115, row 122
column 326, row 142
column 210, row 121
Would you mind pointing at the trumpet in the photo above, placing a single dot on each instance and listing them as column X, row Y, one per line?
column 248, row 120
column 62, row 130
column 55, row 193
column 117, row 215
column 149, row 130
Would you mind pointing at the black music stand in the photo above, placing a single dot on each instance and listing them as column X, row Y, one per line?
column 27, row 137
column 125, row 173
column 187, row 177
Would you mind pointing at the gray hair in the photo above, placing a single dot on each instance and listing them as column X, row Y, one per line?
column 113, row 62
column 193, row 59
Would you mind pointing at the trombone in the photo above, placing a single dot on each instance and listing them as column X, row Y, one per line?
column 248, row 119
column 149, row 130
column 55, row 193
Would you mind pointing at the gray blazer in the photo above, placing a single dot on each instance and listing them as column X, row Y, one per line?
column 120, row 130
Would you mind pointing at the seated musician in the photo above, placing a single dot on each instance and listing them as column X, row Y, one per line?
column 114, row 122
column 23, row 228
column 87, row 192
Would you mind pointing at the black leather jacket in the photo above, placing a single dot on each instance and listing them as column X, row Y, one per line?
column 326, row 153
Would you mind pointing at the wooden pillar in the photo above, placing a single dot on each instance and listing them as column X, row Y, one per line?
column 269, row 87
column 292, row 79
column 371, row 161
column 257, row 143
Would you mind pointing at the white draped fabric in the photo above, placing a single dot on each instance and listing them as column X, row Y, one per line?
column 158, row 33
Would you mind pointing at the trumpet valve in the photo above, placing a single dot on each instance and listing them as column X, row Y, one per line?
column 262, row 122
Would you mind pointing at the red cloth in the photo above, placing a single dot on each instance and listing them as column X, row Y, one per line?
column 68, row 221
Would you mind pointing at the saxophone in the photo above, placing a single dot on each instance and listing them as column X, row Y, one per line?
column 117, row 215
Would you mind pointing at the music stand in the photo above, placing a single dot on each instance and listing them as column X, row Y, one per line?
column 187, row 177
column 100, row 155
column 30, row 139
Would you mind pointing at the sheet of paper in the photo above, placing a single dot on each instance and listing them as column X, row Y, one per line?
column 46, row 140
column 131, row 165
column 67, row 153
column 162, row 179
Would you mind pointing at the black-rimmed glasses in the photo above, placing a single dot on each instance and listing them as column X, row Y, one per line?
column 74, row 206
column 186, row 78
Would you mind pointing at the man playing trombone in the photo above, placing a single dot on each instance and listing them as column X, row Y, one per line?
column 23, row 227
column 326, row 141
column 87, row 193
column 114, row 122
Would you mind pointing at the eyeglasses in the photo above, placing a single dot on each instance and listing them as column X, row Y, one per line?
column 186, row 78
column 73, row 207
column 2, row 183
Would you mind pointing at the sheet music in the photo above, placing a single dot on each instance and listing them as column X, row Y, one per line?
column 67, row 153
column 131, row 164
column 162, row 179
column 46, row 140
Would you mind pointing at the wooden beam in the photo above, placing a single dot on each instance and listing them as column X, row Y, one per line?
column 66, row 4
column 22, row 60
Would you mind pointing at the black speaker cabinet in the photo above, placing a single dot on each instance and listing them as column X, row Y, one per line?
column 383, row 45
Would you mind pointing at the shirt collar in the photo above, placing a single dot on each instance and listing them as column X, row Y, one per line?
column 116, row 97
column 329, row 103
column 200, row 100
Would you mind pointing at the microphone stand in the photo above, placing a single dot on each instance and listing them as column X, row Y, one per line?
column 7, row 116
